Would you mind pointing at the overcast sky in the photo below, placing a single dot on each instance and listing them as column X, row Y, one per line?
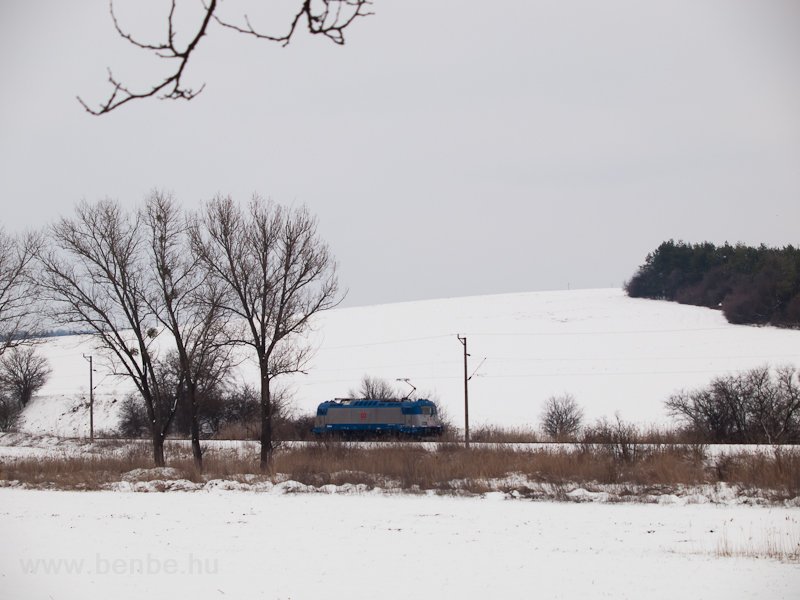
column 450, row 148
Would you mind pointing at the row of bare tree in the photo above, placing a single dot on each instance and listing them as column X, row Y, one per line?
column 17, row 313
column 757, row 406
column 200, row 283
column 761, row 405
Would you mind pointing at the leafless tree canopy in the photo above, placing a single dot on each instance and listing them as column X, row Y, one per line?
column 757, row 406
column 95, row 275
column 184, row 299
column 328, row 18
column 187, row 303
column 375, row 388
column 18, row 308
column 561, row 417
column 277, row 274
column 23, row 373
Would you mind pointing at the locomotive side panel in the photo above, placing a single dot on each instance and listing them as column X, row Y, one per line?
column 365, row 416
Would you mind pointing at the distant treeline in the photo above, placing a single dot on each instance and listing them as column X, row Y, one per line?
column 50, row 333
column 751, row 285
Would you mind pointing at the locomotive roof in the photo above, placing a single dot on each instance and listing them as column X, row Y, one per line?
column 345, row 402
column 408, row 407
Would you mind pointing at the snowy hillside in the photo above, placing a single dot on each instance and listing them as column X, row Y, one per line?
column 613, row 353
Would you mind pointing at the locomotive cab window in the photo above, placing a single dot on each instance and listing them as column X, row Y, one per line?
column 427, row 410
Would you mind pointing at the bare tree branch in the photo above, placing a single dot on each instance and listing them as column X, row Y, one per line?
column 94, row 274
column 324, row 17
column 171, row 87
column 328, row 18
column 187, row 302
column 561, row 417
column 756, row 406
column 374, row 388
column 18, row 306
column 23, row 373
column 279, row 274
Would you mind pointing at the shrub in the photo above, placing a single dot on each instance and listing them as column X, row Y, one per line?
column 619, row 439
column 23, row 373
column 374, row 388
column 133, row 419
column 241, row 405
column 9, row 412
column 561, row 417
column 758, row 406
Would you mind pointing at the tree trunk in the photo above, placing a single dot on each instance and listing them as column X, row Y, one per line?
column 197, row 451
column 158, row 449
column 266, row 424
column 158, row 435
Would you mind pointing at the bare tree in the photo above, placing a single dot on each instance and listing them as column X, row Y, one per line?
column 23, row 373
column 618, row 438
column 94, row 274
column 9, row 411
column 279, row 274
column 328, row 18
column 759, row 405
column 18, row 308
column 188, row 304
column 374, row 388
column 561, row 417
column 785, row 409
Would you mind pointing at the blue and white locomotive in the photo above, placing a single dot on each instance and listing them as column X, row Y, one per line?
column 348, row 417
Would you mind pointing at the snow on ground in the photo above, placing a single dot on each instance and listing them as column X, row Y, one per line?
column 249, row 545
column 614, row 353
column 62, row 406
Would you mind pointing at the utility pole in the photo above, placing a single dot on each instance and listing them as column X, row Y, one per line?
column 463, row 341
column 91, row 399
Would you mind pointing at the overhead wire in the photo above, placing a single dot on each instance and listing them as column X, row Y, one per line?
column 385, row 342
column 597, row 332
column 494, row 359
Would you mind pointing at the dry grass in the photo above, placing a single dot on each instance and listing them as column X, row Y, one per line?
column 779, row 469
column 506, row 435
column 90, row 472
column 448, row 468
column 773, row 544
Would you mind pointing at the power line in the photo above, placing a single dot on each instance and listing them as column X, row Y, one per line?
column 611, row 373
column 606, row 332
column 542, row 375
column 637, row 358
column 392, row 366
column 386, row 342
column 529, row 334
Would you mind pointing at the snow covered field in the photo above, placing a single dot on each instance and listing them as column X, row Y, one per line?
column 65, row 545
column 614, row 353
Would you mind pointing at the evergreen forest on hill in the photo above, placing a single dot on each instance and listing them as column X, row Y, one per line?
column 753, row 286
